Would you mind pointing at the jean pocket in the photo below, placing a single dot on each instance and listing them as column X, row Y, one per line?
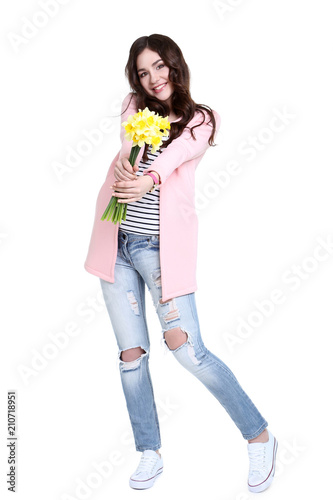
column 154, row 240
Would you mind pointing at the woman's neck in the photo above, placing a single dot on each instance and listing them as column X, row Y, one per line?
column 172, row 117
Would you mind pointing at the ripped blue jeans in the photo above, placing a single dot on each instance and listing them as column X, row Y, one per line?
column 138, row 265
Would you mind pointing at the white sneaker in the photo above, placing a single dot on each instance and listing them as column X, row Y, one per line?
column 148, row 470
column 262, row 464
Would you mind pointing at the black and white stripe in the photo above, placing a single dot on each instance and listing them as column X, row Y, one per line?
column 143, row 216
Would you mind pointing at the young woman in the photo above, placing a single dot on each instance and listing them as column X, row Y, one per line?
column 157, row 246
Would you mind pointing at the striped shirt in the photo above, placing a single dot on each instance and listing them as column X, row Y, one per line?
column 143, row 216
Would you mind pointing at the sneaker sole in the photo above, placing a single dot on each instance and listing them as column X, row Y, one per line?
column 268, row 481
column 145, row 483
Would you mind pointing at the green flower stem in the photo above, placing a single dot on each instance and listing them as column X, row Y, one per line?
column 134, row 154
column 117, row 211
column 109, row 208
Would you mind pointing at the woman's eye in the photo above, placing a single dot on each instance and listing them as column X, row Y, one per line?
column 144, row 73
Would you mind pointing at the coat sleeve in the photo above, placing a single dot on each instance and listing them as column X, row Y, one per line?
column 125, row 144
column 185, row 148
column 131, row 110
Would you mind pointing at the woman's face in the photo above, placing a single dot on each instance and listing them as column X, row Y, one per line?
column 154, row 75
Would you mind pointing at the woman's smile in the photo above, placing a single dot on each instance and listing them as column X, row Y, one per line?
column 159, row 87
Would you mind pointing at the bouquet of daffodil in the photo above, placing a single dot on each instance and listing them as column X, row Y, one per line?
column 145, row 127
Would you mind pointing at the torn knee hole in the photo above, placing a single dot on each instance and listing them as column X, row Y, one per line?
column 175, row 338
column 131, row 354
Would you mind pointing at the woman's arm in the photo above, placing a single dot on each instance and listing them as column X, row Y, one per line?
column 182, row 149
column 185, row 148
column 131, row 110
column 123, row 170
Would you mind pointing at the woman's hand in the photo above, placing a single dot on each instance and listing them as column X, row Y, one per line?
column 129, row 191
column 123, row 170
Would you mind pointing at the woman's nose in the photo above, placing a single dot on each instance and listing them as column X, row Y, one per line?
column 154, row 78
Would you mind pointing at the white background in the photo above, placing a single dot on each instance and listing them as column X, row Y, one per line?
column 247, row 59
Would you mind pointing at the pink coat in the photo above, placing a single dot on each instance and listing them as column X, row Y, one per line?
column 178, row 219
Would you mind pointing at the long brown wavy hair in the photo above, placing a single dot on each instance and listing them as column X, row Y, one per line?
column 179, row 74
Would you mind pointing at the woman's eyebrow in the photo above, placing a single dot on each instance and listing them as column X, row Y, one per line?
column 143, row 69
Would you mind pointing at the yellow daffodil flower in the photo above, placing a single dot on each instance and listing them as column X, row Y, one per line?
column 145, row 127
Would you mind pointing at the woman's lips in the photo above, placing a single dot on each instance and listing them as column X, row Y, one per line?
column 159, row 88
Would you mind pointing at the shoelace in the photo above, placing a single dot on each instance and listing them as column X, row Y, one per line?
column 257, row 460
column 146, row 462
